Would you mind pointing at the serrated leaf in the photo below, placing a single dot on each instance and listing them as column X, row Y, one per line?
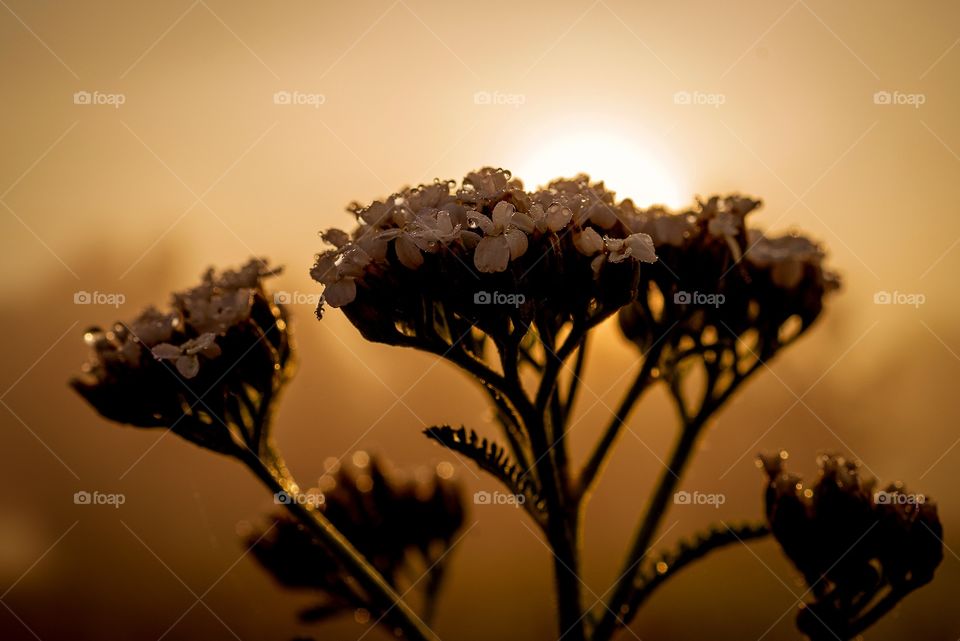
column 494, row 459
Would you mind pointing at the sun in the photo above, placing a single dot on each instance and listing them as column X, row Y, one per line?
column 623, row 166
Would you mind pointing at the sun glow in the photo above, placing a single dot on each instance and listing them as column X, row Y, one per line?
column 623, row 166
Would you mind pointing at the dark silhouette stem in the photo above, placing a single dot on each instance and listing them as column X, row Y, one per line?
column 275, row 476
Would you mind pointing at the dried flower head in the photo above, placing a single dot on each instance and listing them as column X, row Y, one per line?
column 405, row 527
column 860, row 549
column 429, row 258
column 209, row 364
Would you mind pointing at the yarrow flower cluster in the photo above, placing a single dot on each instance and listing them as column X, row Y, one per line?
column 488, row 224
column 860, row 548
column 219, row 351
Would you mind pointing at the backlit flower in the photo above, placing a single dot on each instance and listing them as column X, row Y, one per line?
column 858, row 547
column 221, row 347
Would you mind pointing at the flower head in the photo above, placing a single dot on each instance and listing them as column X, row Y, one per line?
column 213, row 359
column 722, row 294
column 859, row 548
column 567, row 250
column 398, row 523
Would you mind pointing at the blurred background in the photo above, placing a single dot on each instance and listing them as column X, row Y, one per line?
column 143, row 142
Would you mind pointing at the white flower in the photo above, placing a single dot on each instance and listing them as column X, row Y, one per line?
column 637, row 246
column 785, row 256
column 208, row 309
column 669, row 230
column 153, row 327
column 487, row 183
column 727, row 225
column 427, row 232
column 616, row 250
column 338, row 270
column 597, row 212
column 504, row 237
column 185, row 355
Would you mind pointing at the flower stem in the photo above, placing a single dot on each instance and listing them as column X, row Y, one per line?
column 648, row 527
column 277, row 479
column 687, row 555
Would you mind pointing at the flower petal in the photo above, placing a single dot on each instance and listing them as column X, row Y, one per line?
column 492, row 254
column 517, row 242
column 188, row 365
column 165, row 351
column 408, row 252
column 558, row 217
column 588, row 242
column 336, row 237
column 640, row 247
column 340, row 293
column 502, row 214
column 484, row 223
